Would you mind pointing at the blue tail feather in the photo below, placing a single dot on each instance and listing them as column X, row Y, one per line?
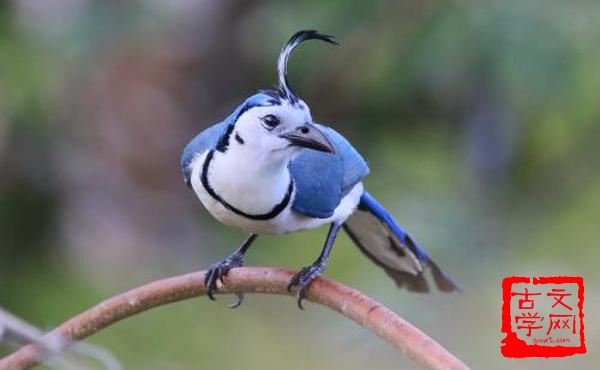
column 390, row 247
column 367, row 201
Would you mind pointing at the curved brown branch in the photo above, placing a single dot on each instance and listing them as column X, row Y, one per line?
column 349, row 302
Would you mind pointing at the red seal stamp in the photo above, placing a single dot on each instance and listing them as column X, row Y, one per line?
column 542, row 316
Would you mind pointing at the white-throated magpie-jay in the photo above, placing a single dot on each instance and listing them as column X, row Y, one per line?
column 269, row 168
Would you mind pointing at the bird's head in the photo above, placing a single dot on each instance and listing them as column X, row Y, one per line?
column 276, row 123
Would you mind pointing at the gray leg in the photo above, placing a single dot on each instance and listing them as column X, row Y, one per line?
column 301, row 281
column 220, row 269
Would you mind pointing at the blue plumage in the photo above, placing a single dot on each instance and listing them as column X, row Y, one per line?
column 369, row 203
column 264, row 166
column 318, row 178
column 355, row 167
column 381, row 239
column 322, row 179
column 205, row 140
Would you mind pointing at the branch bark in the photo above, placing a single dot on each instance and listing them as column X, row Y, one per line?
column 349, row 302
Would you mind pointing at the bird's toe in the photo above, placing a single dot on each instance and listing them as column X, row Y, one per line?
column 218, row 271
column 302, row 280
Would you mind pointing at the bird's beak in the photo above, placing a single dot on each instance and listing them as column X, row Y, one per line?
column 308, row 136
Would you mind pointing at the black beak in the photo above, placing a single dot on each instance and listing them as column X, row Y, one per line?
column 308, row 136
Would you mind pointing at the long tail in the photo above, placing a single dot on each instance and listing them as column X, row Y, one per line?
column 380, row 238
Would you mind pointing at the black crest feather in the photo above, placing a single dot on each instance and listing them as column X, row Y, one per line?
column 285, row 90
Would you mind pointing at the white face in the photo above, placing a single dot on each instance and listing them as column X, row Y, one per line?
column 259, row 129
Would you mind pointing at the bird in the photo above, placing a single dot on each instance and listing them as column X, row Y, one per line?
column 269, row 168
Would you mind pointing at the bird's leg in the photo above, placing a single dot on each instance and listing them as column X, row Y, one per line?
column 220, row 269
column 301, row 281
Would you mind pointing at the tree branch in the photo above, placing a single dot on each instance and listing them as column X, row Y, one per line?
column 349, row 302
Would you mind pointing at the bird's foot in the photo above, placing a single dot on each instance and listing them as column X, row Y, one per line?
column 302, row 280
column 218, row 271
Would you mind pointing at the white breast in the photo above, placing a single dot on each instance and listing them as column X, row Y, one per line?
column 259, row 199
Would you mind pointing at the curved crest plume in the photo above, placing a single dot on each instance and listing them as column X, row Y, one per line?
column 285, row 90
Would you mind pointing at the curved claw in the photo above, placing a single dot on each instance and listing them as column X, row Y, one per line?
column 302, row 280
column 238, row 302
column 218, row 271
column 210, row 282
column 300, row 298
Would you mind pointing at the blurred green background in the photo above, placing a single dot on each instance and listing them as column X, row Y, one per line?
column 480, row 121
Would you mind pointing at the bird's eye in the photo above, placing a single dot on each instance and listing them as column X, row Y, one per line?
column 270, row 121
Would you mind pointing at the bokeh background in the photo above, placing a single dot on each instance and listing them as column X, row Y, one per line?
column 480, row 121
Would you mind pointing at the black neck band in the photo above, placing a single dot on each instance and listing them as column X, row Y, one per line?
column 265, row 216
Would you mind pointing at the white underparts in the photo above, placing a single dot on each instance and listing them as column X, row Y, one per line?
column 255, row 189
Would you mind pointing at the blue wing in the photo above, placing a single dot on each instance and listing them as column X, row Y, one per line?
column 205, row 140
column 323, row 179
